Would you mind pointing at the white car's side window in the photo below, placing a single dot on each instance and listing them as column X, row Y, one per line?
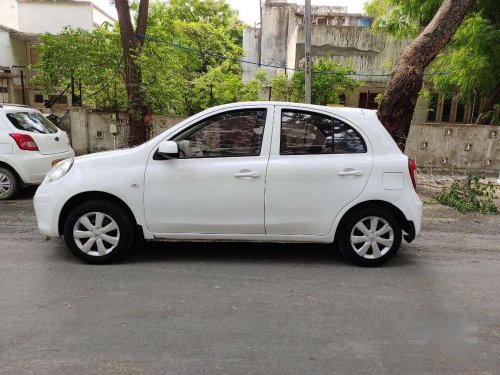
column 312, row 133
column 230, row 134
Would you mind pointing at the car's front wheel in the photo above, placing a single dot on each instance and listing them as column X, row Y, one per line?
column 370, row 236
column 99, row 231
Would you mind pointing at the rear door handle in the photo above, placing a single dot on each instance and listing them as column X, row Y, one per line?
column 350, row 172
column 247, row 174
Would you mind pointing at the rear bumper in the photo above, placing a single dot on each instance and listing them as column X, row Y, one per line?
column 34, row 167
column 410, row 231
column 411, row 206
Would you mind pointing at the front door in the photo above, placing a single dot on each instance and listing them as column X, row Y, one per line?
column 318, row 164
column 217, row 184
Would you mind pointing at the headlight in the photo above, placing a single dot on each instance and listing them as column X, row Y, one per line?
column 59, row 170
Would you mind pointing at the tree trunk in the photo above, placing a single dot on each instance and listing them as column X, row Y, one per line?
column 400, row 96
column 132, row 47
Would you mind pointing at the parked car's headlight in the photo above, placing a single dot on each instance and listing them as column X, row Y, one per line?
column 59, row 170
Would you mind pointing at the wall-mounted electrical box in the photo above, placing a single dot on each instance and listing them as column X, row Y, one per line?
column 113, row 129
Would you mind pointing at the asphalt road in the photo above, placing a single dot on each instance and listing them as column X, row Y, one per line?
column 206, row 308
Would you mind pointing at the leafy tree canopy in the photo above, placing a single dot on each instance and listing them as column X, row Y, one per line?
column 325, row 87
column 196, row 44
column 471, row 61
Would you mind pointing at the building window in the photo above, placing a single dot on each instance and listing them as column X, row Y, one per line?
column 342, row 99
column 367, row 100
column 460, row 114
column 445, row 116
column 63, row 99
column 38, row 98
column 432, row 108
column 364, row 22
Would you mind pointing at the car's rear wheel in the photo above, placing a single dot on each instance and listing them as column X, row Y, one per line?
column 8, row 184
column 370, row 237
column 99, row 231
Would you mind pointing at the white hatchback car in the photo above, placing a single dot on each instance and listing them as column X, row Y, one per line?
column 257, row 171
column 30, row 144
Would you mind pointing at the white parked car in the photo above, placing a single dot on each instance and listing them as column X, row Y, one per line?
column 258, row 171
column 30, row 144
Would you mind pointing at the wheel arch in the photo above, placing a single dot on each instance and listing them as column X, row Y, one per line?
column 13, row 170
column 407, row 225
column 77, row 199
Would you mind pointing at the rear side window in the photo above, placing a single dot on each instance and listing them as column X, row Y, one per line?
column 32, row 122
column 305, row 133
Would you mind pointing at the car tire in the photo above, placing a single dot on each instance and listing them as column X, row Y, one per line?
column 99, row 232
column 8, row 184
column 367, row 230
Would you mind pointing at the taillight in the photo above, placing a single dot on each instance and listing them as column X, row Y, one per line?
column 24, row 142
column 412, row 168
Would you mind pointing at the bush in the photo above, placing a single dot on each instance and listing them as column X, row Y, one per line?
column 470, row 195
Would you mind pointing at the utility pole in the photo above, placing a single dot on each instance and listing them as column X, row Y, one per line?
column 307, row 67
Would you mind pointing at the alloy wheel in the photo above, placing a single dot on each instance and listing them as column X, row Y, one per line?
column 5, row 185
column 96, row 234
column 372, row 237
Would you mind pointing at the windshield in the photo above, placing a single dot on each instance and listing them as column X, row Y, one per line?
column 32, row 122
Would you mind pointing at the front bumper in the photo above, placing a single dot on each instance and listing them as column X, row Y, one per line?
column 48, row 205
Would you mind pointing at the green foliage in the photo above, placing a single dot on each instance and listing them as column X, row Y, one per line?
column 402, row 18
column 174, row 79
column 378, row 98
column 325, row 88
column 472, row 58
column 470, row 195
column 281, row 88
column 471, row 61
column 90, row 57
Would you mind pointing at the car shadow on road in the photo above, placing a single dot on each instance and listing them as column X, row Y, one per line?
column 245, row 252
column 27, row 193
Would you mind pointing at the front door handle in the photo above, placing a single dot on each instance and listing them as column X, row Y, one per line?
column 350, row 172
column 247, row 174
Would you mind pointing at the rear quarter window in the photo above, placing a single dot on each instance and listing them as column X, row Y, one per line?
column 32, row 122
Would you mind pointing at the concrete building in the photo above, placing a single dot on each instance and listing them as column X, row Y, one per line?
column 438, row 137
column 21, row 21
column 335, row 32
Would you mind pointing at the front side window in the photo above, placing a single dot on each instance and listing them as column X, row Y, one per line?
column 32, row 122
column 235, row 133
column 305, row 133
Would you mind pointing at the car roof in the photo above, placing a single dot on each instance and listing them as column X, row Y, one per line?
column 16, row 107
column 350, row 113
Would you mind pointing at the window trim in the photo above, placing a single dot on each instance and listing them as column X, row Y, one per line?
column 245, row 109
column 331, row 117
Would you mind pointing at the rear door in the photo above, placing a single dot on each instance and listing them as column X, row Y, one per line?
column 49, row 138
column 318, row 164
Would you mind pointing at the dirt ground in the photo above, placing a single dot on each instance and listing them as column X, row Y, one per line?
column 208, row 308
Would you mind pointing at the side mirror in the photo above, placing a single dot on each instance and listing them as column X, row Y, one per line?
column 168, row 150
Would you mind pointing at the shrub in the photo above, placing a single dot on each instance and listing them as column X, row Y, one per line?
column 470, row 195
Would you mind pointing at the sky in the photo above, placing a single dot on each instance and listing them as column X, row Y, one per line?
column 249, row 9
